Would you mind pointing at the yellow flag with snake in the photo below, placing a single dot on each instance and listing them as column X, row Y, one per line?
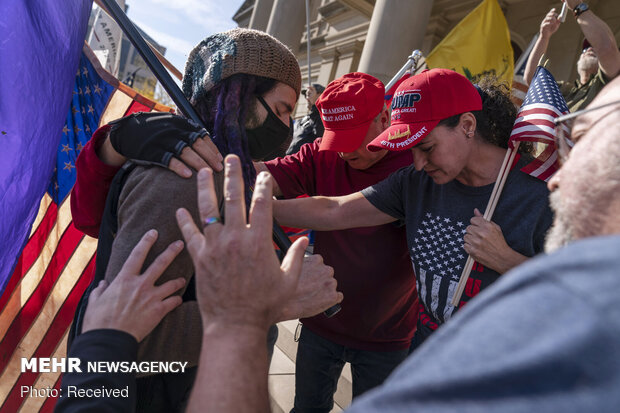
column 478, row 46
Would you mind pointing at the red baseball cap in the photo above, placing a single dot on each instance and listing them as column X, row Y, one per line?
column 347, row 106
column 421, row 102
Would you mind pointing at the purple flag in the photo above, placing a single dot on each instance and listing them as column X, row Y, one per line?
column 40, row 49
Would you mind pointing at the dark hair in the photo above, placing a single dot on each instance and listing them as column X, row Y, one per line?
column 497, row 117
column 225, row 111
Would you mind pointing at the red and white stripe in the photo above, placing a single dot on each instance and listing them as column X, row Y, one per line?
column 55, row 268
column 534, row 123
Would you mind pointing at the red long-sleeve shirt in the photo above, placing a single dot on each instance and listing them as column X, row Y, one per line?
column 91, row 185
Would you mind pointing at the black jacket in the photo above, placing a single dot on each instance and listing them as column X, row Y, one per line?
column 307, row 130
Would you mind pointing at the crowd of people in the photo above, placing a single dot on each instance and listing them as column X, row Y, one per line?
column 395, row 198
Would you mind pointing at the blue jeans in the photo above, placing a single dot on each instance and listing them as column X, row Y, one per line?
column 319, row 364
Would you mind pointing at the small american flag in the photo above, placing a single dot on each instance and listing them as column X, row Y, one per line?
column 543, row 103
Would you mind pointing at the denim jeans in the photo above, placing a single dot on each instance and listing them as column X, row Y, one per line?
column 319, row 364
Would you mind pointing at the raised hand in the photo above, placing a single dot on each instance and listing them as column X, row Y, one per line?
column 238, row 275
column 550, row 24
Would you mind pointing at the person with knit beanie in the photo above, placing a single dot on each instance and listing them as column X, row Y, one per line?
column 244, row 84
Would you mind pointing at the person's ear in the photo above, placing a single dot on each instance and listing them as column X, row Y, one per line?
column 385, row 119
column 467, row 123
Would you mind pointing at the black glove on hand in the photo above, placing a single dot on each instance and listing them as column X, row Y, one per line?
column 153, row 137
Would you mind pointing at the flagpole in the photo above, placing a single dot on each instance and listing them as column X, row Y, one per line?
column 128, row 28
column 488, row 214
column 308, row 42
column 412, row 62
column 176, row 72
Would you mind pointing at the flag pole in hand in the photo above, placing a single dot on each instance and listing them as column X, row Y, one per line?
column 534, row 123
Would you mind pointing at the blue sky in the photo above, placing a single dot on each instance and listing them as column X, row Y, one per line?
column 180, row 24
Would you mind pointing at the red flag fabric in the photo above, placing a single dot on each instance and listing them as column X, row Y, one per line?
column 58, row 262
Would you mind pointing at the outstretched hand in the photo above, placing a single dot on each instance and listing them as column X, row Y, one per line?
column 239, row 278
column 131, row 302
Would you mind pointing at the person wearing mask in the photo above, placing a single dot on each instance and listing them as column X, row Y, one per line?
column 244, row 85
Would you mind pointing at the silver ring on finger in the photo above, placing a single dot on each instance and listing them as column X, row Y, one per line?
column 210, row 221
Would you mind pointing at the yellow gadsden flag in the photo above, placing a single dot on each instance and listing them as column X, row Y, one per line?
column 479, row 45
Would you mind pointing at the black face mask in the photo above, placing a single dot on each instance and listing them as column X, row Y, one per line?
column 266, row 138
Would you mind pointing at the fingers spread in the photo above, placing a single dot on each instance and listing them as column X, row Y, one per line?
column 168, row 288
column 234, row 204
column 101, row 287
column 192, row 236
column 133, row 265
column 179, row 168
column 261, row 220
column 191, row 158
column 207, row 150
column 170, row 304
column 163, row 260
column 207, row 200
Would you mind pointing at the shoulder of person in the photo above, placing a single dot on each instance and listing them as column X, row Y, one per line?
column 161, row 189
column 523, row 177
column 578, row 267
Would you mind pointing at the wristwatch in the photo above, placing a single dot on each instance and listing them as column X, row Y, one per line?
column 580, row 8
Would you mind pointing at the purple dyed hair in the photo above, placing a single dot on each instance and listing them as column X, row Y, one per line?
column 225, row 111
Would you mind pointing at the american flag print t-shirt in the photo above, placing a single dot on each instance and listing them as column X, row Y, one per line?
column 438, row 251
column 436, row 219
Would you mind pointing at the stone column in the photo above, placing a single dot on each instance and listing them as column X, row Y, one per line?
column 260, row 14
column 287, row 22
column 348, row 58
column 396, row 28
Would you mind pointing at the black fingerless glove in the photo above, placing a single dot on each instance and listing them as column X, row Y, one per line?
column 153, row 137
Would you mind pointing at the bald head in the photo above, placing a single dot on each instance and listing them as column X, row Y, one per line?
column 586, row 190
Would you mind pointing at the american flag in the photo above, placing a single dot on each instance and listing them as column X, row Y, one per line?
column 437, row 249
column 58, row 261
column 543, row 103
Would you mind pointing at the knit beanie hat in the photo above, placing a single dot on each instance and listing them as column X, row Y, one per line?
column 238, row 51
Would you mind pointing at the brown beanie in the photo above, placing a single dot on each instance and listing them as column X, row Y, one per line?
column 238, row 51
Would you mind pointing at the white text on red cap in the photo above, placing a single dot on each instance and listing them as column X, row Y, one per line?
column 406, row 142
column 338, row 113
column 404, row 101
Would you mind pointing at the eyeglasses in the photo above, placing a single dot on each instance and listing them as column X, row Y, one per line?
column 564, row 128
